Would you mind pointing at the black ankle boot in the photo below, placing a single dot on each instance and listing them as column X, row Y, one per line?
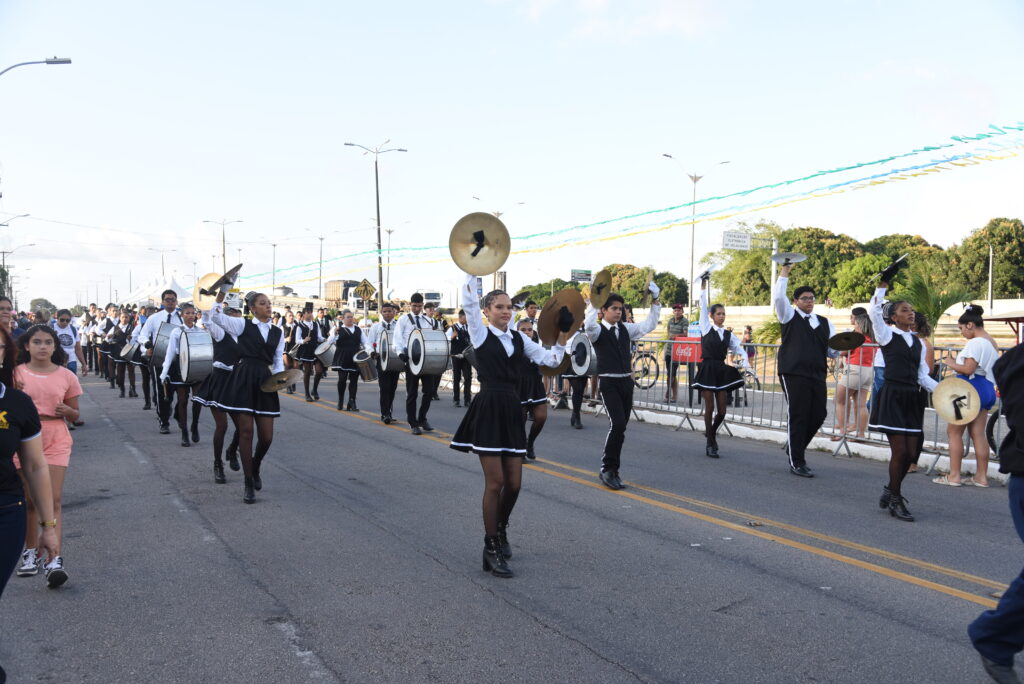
column 506, row 549
column 122, row 392
column 711, row 449
column 250, row 495
column 494, row 559
column 195, row 432
column 184, row 438
column 148, row 406
column 132, row 394
column 883, row 501
column 232, row 456
column 256, row 481
column 898, row 508
column 218, row 473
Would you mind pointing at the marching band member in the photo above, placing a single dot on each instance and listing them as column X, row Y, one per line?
column 492, row 428
column 260, row 344
column 897, row 411
column 225, row 356
column 147, row 336
column 387, row 381
column 715, row 378
column 84, row 325
column 531, row 391
column 578, row 386
column 288, row 328
column 612, row 341
column 122, row 333
column 170, row 374
column 415, row 384
column 104, row 324
column 462, row 369
column 348, row 340
column 307, row 337
column 801, row 365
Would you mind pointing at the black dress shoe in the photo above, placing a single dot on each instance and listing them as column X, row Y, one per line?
column 233, row 463
column 195, row 433
column 147, row 407
column 416, row 430
column 316, row 395
column 256, row 481
column 122, row 393
column 250, row 494
column 351, row 406
column 494, row 559
column 132, row 394
column 456, row 404
column 218, row 473
column 340, row 406
column 426, row 426
column 309, row 398
column 608, row 479
column 711, row 451
column 618, row 480
column 165, row 430
column 802, row 471
column 530, row 453
column 898, row 508
column 388, row 420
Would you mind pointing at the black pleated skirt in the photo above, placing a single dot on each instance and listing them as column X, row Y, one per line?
column 531, row 388
column 212, row 388
column 898, row 410
column 493, row 425
column 717, row 375
column 242, row 393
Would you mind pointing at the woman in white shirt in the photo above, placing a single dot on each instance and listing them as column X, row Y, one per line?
column 973, row 364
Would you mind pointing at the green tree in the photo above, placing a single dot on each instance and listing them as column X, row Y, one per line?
column 896, row 245
column 673, row 288
column 826, row 253
column 42, row 303
column 541, row 292
column 928, row 292
column 852, row 279
column 743, row 280
column 969, row 261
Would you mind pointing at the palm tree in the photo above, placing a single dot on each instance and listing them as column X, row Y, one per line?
column 927, row 295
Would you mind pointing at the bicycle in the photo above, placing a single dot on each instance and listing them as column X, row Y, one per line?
column 645, row 370
column 750, row 383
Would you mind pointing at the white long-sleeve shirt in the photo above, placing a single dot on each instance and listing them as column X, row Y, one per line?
column 635, row 330
column 371, row 340
column 478, row 331
column 706, row 325
column 408, row 322
column 236, row 326
column 785, row 311
column 885, row 332
column 147, row 333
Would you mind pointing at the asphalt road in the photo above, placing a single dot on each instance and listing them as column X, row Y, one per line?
column 361, row 562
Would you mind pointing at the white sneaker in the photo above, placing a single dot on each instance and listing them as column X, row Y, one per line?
column 29, row 563
column 56, row 575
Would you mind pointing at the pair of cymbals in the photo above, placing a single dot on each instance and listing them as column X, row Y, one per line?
column 845, row 341
column 956, row 401
column 204, row 295
column 547, row 326
column 788, row 258
column 278, row 381
column 600, row 288
column 479, row 243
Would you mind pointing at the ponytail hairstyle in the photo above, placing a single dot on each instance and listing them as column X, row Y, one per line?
column 863, row 323
column 972, row 314
column 921, row 324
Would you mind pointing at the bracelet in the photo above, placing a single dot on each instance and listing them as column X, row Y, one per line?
column 48, row 523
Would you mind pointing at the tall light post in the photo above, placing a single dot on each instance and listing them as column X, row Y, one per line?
column 389, row 231
column 695, row 177
column 163, row 273
column 3, row 263
column 213, row 263
column 20, row 274
column 498, row 214
column 376, row 152
column 223, row 240
column 8, row 221
column 273, row 267
column 195, row 278
column 51, row 60
column 320, row 277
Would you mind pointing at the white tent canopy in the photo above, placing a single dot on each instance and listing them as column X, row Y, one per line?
column 149, row 293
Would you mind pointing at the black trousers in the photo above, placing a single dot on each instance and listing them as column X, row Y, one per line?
column 579, row 386
column 387, row 382
column 90, row 359
column 164, row 397
column 415, row 385
column 350, row 378
column 808, row 408
column 462, row 371
column 617, row 395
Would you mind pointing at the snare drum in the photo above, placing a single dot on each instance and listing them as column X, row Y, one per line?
column 195, row 355
column 128, row 351
column 428, row 352
column 325, row 353
column 293, row 352
column 367, row 368
column 389, row 360
column 163, row 336
column 584, row 358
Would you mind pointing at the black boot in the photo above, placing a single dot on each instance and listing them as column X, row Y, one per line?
column 256, row 481
column 122, row 393
column 218, row 473
column 184, row 438
column 898, row 508
column 309, row 397
column 530, row 454
column 147, row 406
column 232, row 456
column 711, row 449
column 132, row 394
column 250, row 495
column 494, row 559
column 506, row 549
column 576, row 421
column 883, row 501
column 195, row 432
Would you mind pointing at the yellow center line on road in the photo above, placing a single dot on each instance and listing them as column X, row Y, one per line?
column 838, row 541
column 824, row 553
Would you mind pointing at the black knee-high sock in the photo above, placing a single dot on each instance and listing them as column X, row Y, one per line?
column 902, row 454
column 506, row 502
column 197, row 408
column 535, row 428
column 316, row 383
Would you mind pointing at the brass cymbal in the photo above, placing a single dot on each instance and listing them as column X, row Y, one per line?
column 559, row 369
column 228, row 278
column 845, row 341
column 547, row 326
column 956, row 401
column 278, row 381
column 786, row 258
column 479, row 243
column 519, row 301
column 600, row 288
column 205, row 302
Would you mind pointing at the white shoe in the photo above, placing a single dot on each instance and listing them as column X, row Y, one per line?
column 56, row 575
column 29, row 563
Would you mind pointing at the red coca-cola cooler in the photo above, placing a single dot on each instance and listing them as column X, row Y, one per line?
column 686, row 350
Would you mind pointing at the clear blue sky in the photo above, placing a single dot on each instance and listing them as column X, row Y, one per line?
column 177, row 112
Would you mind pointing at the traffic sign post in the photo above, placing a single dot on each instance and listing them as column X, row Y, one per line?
column 736, row 239
column 365, row 290
column 581, row 276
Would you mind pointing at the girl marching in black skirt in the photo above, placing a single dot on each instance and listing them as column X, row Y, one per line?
column 531, row 391
column 171, row 375
column 897, row 411
column 225, row 356
column 307, row 337
column 121, row 335
column 715, row 379
column 493, row 428
column 348, row 340
column 288, row 328
column 260, row 346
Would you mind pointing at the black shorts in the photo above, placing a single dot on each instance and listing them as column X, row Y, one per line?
column 671, row 366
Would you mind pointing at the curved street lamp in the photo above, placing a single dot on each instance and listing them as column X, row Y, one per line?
column 51, row 60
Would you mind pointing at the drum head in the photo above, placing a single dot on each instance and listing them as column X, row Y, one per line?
column 416, row 350
column 581, row 352
column 323, row 346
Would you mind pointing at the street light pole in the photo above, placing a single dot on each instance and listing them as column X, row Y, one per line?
column 51, row 60
column 389, row 231
column 223, row 240
column 273, row 268
column 3, row 264
column 376, row 152
column 163, row 272
column 320, row 276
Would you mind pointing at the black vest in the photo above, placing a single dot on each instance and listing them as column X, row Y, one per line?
column 901, row 361
column 804, row 349
column 613, row 355
column 225, row 350
column 252, row 346
column 461, row 339
column 495, row 368
column 713, row 347
column 346, row 346
column 310, row 332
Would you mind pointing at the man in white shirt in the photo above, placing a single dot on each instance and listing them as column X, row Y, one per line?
column 150, row 372
column 802, row 366
column 414, row 384
column 387, row 381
